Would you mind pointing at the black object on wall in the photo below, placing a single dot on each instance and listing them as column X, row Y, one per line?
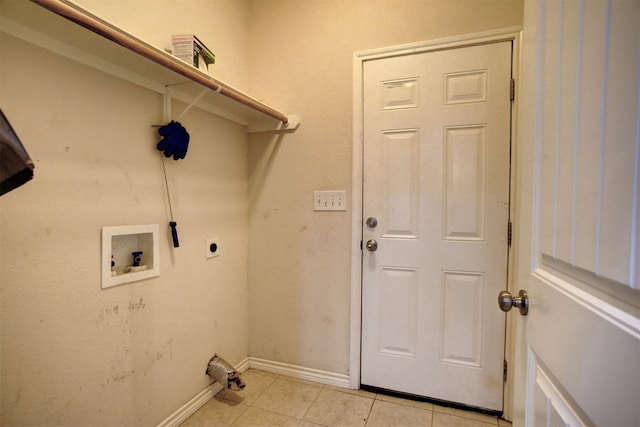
column 16, row 166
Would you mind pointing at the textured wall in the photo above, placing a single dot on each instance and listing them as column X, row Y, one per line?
column 222, row 25
column 72, row 353
column 302, row 61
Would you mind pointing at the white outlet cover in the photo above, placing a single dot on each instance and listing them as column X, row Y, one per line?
column 209, row 253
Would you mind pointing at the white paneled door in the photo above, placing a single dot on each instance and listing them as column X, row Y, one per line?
column 436, row 210
column 578, row 241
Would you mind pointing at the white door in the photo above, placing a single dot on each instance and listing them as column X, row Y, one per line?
column 436, row 181
column 578, row 239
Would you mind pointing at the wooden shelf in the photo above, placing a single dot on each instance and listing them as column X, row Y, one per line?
column 69, row 30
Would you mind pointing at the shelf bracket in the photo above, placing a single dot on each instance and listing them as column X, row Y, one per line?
column 194, row 102
column 271, row 125
column 166, row 103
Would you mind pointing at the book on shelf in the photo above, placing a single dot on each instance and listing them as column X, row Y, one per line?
column 191, row 50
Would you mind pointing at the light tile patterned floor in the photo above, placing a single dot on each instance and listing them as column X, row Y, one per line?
column 276, row 400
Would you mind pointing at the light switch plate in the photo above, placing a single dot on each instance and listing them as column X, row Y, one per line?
column 330, row 200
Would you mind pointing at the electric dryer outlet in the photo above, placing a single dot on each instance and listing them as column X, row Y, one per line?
column 212, row 247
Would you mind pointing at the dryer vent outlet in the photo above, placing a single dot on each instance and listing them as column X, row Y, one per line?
column 220, row 370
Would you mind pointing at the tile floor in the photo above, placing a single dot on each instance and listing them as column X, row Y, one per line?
column 276, row 400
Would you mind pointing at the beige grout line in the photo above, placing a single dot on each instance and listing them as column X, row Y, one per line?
column 369, row 413
column 312, row 403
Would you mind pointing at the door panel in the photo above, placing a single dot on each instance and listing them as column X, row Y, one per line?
column 398, row 309
column 578, row 240
column 400, row 179
column 462, row 329
column 465, row 150
column 587, row 350
column 436, row 177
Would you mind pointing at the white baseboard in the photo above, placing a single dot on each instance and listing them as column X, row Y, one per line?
column 300, row 372
column 244, row 365
column 189, row 408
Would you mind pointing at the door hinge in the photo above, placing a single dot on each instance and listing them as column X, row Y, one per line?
column 509, row 233
column 513, row 89
column 504, row 371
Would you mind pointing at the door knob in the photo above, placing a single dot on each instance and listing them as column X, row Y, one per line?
column 371, row 245
column 372, row 222
column 506, row 301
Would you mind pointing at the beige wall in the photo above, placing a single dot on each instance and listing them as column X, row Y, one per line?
column 131, row 355
column 73, row 354
column 223, row 25
column 302, row 61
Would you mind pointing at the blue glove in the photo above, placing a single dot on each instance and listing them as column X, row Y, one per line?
column 175, row 140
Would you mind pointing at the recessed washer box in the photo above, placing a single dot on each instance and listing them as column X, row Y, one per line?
column 134, row 250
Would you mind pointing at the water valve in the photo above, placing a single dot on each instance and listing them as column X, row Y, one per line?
column 137, row 258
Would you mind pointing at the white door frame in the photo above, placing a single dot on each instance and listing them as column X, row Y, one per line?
column 509, row 34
